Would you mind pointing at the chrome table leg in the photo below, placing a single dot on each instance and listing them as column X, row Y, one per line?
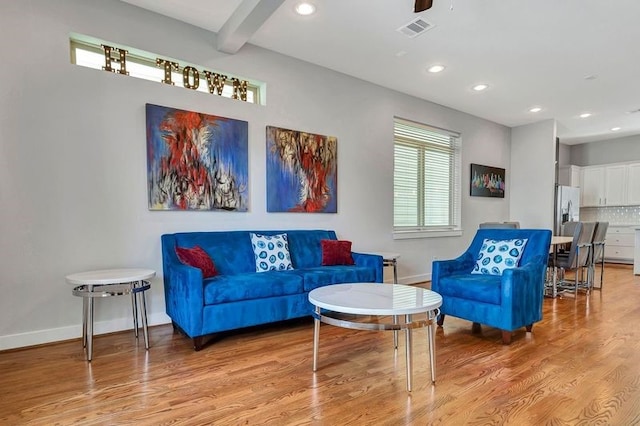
column 316, row 338
column 408, row 350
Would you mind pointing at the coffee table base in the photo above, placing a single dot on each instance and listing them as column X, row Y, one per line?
column 407, row 326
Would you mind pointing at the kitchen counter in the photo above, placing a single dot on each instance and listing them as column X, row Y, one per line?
column 620, row 244
column 636, row 252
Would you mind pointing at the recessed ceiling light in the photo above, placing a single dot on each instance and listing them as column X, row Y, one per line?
column 480, row 87
column 436, row 68
column 535, row 109
column 305, row 8
column 585, row 115
column 615, row 129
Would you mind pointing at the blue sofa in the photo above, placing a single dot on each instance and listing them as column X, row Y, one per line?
column 241, row 297
column 508, row 301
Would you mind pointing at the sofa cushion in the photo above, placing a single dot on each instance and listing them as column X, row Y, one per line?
column 326, row 275
column 482, row 288
column 305, row 248
column 497, row 255
column 232, row 288
column 230, row 250
column 336, row 252
column 271, row 252
column 198, row 258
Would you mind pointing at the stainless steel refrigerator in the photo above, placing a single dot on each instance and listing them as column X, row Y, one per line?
column 567, row 206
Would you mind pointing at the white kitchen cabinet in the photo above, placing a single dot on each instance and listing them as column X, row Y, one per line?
column 569, row 175
column 619, row 244
column 604, row 186
column 592, row 188
column 615, row 185
column 633, row 184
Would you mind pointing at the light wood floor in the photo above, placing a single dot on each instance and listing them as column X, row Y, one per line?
column 580, row 366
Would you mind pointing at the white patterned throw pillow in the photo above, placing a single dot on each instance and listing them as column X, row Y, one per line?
column 271, row 252
column 497, row 255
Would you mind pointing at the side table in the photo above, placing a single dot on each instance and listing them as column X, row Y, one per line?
column 388, row 259
column 391, row 259
column 111, row 282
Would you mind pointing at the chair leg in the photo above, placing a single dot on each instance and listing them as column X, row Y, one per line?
column 440, row 320
column 506, row 337
column 601, row 270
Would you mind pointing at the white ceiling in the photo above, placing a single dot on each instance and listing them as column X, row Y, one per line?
column 530, row 52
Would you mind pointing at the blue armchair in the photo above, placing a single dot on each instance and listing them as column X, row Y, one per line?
column 507, row 301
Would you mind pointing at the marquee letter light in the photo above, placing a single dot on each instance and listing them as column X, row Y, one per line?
column 168, row 66
column 239, row 86
column 187, row 72
column 108, row 59
column 216, row 83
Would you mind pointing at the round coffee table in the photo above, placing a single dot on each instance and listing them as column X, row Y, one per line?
column 111, row 282
column 370, row 299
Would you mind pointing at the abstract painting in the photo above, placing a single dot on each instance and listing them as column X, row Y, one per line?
column 196, row 161
column 487, row 181
column 302, row 172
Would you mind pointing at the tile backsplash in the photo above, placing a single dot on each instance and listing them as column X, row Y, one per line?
column 622, row 215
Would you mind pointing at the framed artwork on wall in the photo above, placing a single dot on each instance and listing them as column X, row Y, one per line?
column 196, row 161
column 301, row 172
column 487, row 181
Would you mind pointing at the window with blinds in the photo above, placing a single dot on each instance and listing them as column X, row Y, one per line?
column 426, row 178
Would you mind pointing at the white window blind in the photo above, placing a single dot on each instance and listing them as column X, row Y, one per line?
column 426, row 178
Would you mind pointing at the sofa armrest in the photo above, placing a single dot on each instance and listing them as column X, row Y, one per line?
column 183, row 291
column 523, row 287
column 444, row 268
column 370, row 261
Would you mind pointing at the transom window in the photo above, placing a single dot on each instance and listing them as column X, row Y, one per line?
column 144, row 66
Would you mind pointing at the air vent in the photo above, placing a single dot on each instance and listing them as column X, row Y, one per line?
column 415, row 27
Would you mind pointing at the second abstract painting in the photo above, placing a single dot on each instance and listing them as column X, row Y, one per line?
column 301, row 171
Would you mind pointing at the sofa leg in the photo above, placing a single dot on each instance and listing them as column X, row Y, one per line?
column 476, row 328
column 175, row 326
column 440, row 320
column 529, row 327
column 198, row 343
column 506, row 337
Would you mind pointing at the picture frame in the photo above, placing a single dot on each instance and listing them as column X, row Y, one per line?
column 196, row 161
column 302, row 171
column 487, row 181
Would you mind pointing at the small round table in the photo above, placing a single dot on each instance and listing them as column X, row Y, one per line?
column 370, row 299
column 111, row 282
column 388, row 259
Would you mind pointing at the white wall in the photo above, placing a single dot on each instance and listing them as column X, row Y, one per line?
column 73, row 159
column 564, row 155
column 607, row 151
column 533, row 153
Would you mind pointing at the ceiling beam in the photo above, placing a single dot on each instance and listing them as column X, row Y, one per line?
column 244, row 22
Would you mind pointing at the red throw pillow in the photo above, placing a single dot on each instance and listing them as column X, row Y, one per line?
column 336, row 252
column 198, row 258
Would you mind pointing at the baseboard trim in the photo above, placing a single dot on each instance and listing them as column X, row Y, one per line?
column 413, row 279
column 51, row 335
column 39, row 337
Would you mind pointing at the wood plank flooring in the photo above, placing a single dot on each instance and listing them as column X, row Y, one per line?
column 580, row 366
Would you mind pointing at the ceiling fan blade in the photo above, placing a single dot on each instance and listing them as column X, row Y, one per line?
column 422, row 5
